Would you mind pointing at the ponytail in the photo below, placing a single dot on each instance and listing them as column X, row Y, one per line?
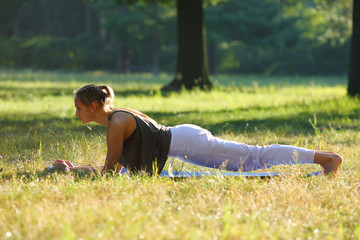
column 108, row 104
column 103, row 95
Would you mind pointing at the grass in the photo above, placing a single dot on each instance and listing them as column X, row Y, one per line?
column 37, row 125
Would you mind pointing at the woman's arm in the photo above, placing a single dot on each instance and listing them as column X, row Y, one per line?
column 93, row 169
column 120, row 127
column 68, row 166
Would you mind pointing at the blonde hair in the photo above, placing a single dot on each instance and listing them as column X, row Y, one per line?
column 102, row 94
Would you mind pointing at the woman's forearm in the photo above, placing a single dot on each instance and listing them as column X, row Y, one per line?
column 93, row 169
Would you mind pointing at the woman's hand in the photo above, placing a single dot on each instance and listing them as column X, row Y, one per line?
column 63, row 165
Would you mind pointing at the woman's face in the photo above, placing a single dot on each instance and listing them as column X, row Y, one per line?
column 83, row 112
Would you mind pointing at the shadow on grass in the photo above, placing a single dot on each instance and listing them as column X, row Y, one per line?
column 44, row 174
column 42, row 123
column 292, row 124
column 27, row 176
column 297, row 122
column 288, row 124
column 28, row 93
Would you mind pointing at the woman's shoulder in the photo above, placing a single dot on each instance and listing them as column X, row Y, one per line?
column 119, row 116
column 129, row 111
column 122, row 121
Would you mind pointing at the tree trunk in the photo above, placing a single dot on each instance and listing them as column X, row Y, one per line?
column 127, row 59
column 156, row 43
column 122, row 59
column 192, row 67
column 119, row 63
column 212, row 58
column 354, row 70
column 16, row 25
column 102, row 29
column 48, row 18
column 156, row 58
column 87, row 18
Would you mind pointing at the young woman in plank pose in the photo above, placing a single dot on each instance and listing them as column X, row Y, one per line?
column 138, row 143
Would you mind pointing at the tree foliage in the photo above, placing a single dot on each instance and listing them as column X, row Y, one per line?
column 267, row 36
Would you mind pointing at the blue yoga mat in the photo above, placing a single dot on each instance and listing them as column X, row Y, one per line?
column 183, row 174
column 186, row 174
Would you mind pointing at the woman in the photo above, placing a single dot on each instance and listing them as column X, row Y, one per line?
column 138, row 143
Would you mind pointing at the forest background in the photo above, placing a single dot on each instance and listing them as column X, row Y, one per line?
column 249, row 45
column 262, row 37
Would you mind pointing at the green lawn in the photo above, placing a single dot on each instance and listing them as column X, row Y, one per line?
column 37, row 126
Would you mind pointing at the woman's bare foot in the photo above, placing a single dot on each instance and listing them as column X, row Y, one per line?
column 329, row 161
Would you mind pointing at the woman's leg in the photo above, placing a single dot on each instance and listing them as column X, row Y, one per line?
column 198, row 146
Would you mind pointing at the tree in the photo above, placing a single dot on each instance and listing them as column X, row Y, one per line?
column 192, row 66
column 255, row 26
column 136, row 31
column 354, row 70
column 10, row 9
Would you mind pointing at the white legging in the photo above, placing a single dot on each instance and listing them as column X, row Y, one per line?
column 198, row 146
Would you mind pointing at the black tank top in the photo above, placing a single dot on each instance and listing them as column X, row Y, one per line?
column 148, row 147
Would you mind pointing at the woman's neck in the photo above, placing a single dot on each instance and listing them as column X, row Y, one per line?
column 101, row 117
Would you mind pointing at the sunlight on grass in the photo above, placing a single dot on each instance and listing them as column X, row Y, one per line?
column 37, row 126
